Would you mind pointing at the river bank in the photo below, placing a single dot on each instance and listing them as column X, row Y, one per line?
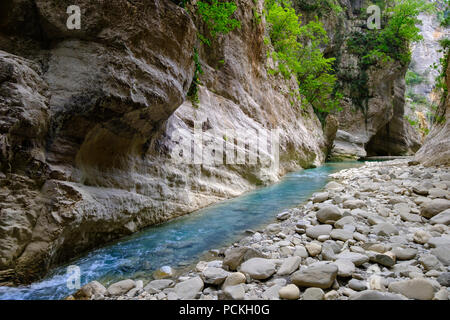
column 376, row 232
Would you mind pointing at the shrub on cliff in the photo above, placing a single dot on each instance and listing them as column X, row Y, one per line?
column 297, row 52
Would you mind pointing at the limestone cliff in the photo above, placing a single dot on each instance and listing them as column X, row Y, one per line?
column 436, row 149
column 372, row 120
column 88, row 119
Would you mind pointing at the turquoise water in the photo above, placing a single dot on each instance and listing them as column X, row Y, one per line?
column 184, row 240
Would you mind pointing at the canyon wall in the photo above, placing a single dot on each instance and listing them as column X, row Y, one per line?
column 89, row 119
column 372, row 118
column 436, row 149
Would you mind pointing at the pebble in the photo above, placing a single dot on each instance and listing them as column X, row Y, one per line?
column 289, row 292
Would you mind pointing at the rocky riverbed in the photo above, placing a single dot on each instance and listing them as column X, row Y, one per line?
column 380, row 231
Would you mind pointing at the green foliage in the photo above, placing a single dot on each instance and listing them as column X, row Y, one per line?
column 412, row 122
column 319, row 5
column 416, row 98
column 193, row 90
column 413, row 78
column 297, row 52
column 217, row 17
column 444, row 15
column 393, row 41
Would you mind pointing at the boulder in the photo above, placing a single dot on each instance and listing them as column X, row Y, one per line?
column 235, row 256
column 321, row 276
column 93, row 288
column 121, row 287
column 431, row 208
column 316, row 231
column 189, row 289
column 259, row 268
column 420, row 289
column 329, row 214
column 289, row 292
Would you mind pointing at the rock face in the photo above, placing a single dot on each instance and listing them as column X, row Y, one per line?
column 90, row 120
column 372, row 120
column 436, row 149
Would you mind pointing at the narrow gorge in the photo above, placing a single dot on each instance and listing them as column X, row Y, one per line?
column 95, row 120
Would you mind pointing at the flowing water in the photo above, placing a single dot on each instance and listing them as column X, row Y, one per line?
column 182, row 241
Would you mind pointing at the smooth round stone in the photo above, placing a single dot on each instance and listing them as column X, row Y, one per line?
column 236, row 292
column 121, row 287
column 404, row 253
column 329, row 214
column 345, row 268
column 357, row 285
column 341, row 234
column 319, row 230
column 234, row 278
column 323, row 238
column 320, row 197
column 384, row 259
column 289, row 292
column 420, row 289
column 421, row 237
column 321, row 276
column 313, row 249
column 313, row 294
column 444, row 279
column 259, row 268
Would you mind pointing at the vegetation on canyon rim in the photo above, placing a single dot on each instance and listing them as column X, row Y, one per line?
column 297, row 45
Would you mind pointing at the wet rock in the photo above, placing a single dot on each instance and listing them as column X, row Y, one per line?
column 121, row 287
column 316, row 276
column 189, row 289
column 289, row 292
column 420, row 289
column 93, row 288
column 259, row 268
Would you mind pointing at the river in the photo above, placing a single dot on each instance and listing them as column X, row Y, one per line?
column 184, row 240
